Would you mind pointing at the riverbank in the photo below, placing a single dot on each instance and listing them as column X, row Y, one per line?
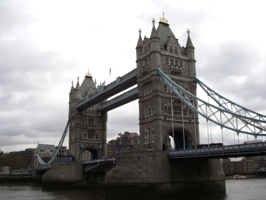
column 9, row 179
column 248, row 176
column 235, row 189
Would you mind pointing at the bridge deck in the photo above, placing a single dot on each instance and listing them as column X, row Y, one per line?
column 99, row 165
column 44, row 168
column 239, row 150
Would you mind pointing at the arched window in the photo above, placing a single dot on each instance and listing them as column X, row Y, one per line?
column 175, row 50
column 152, row 134
column 146, row 136
column 177, row 110
column 149, row 112
column 149, row 134
column 165, row 88
column 91, row 121
column 165, row 109
column 166, row 61
column 172, row 62
column 171, row 49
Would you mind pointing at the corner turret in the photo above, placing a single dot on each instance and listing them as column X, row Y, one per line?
column 78, row 90
column 189, row 47
column 154, row 39
column 139, row 46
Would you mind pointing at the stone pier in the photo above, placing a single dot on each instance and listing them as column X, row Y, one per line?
column 151, row 173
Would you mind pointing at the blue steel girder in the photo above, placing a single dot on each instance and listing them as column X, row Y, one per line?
column 57, row 150
column 103, row 93
column 237, row 150
column 213, row 113
column 99, row 165
column 232, row 106
column 120, row 100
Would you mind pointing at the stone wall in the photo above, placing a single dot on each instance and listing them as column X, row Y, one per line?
column 152, row 173
column 144, row 167
column 64, row 172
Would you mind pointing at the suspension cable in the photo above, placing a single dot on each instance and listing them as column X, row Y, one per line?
column 184, row 144
column 195, row 128
column 57, row 150
column 172, row 112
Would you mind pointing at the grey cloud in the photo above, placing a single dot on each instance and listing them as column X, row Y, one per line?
column 234, row 70
column 13, row 15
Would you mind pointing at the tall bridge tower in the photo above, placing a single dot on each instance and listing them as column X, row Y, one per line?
column 160, row 113
column 87, row 128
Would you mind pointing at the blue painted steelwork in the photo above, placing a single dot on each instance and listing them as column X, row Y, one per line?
column 90, row 165
column 57, row 150
column 193, row 103
column 238, row 150
column 232, row 106
column 126, row 95
column 119, row 81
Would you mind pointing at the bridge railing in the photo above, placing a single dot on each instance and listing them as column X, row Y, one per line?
column 209, row 149
column 88, row 165
column 110, row 86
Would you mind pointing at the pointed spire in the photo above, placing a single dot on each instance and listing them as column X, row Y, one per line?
column 72, row 87
column 189, row 42
column 154, row 33
column 140, row 40
column 77, row 86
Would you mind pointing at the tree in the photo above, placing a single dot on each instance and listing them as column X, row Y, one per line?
column 12, row 160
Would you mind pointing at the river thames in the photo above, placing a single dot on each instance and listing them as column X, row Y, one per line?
column 250, row 189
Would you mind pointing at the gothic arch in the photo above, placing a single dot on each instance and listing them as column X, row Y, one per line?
column 93, row 151
column 178, row 137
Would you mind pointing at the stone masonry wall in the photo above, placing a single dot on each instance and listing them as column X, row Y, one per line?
column 145, row 167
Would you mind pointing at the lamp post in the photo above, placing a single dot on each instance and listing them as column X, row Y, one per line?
column 119, row 134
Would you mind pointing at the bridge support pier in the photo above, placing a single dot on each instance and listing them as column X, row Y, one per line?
column 63, row 172
column 152, row 173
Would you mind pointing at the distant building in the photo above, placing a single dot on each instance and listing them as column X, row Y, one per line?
column 126, row 142
column 246, row 166
column 112, row 147
column 45, row 151
column 26, row 156
column 1, row 152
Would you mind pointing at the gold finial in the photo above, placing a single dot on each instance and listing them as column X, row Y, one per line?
column 88, row 74
column 163, row 20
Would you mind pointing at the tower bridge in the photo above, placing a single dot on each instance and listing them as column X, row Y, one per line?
column 166, row 82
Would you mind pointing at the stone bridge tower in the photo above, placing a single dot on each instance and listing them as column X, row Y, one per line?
column 156, row 121
column 87, row 128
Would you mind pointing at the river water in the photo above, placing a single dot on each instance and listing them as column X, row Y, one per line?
column 250, row 189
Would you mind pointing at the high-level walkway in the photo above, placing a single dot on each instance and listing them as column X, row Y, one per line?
column 121, row 83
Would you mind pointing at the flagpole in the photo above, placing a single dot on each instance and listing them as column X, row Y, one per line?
column 109, row 75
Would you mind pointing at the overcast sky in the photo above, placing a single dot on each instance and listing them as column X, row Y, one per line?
column 45, row 44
